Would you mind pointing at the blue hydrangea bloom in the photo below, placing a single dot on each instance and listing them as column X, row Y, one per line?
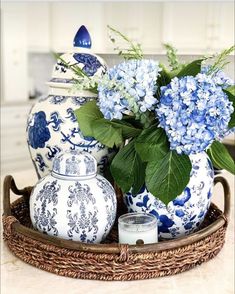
column 219, row 77
column 226, row 133
column 128, row 87
column 194, row 111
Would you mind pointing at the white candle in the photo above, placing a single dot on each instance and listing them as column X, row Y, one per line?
column 137, row 228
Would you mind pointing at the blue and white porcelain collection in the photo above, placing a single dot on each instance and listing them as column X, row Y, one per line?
column 73, row 202
column 163, row 128
column 70, row 201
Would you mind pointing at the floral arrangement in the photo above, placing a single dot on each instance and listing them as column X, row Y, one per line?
column 159, row 116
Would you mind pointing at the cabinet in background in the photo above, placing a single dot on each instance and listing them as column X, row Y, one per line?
column 67, row 17
column 141, row 22
column 14, row 52
column 14, row 148
column 192, row 27
column 198, row 28
column 38, row 26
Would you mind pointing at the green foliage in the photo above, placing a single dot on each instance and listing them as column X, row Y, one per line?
column 151, row 141
column 167, row 175
column 164, row 78
column 220, row 157
column 172, row 57
column 220, row 60
column 146, row 157
column 128, row 130
column 83, row 81
column 110, row 133
column 127, row 169
column 86, row 115
column 133, row 51
column 230, row 92
column 76, row 69
column 106, row 133
column 191, row 69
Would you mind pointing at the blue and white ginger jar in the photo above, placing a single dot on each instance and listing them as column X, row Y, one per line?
column 52, row 126
column 73, row 202
column 185, row 214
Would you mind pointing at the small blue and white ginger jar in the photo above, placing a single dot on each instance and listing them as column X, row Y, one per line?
column 52, row 126
column 185, row 214
column 73, row 202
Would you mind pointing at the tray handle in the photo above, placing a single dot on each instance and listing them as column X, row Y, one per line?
column 227, row 194
column 9, row 185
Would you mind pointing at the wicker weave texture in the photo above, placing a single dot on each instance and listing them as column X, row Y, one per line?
column 105, row 266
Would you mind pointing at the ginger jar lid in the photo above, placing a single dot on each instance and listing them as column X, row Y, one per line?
column 74, row 164
column 80, row 57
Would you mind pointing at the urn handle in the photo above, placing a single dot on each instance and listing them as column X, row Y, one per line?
column 227, row 194
column 8, row 186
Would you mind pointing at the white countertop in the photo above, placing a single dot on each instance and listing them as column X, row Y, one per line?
column 215, row 276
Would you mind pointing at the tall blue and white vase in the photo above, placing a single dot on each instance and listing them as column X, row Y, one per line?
column 185, row 214
column 52, row 126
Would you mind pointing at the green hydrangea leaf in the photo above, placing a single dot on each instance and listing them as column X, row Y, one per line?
column 106, row 133
column 151, row 141
column 191, row 69
column 168, row 175
column 112, row 133
column 128, row 131
column 92, row 123
column 163, row 79
column 220, row 157
column 86, row 115
column 127, row 169
column 231, row 91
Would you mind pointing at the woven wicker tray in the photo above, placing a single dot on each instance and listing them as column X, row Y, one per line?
column 111, row 261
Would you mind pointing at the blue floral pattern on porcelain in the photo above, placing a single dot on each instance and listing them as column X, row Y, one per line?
column 74, row 164
column 184, row 214
column 38, row 132
column 52, row 127
column 90, row 62
column 44, row 217
column 73, row 202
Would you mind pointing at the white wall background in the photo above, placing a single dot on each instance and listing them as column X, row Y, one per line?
column 30, row 30
column 42, row 27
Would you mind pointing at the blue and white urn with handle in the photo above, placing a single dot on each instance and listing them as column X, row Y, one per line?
column 52, row 126
column 73, row 202
column 185, row 214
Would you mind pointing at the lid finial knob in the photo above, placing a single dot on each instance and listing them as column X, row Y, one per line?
column 82, row 38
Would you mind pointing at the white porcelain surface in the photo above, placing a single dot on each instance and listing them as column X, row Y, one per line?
column 183, row 215
column 80, row 165
column 73, row 202
column 95, row 64
column 52, row 126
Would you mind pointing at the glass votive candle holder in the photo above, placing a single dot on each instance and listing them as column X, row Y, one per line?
column 137, row 228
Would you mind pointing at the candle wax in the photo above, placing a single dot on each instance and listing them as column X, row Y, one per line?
column 130, row 237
